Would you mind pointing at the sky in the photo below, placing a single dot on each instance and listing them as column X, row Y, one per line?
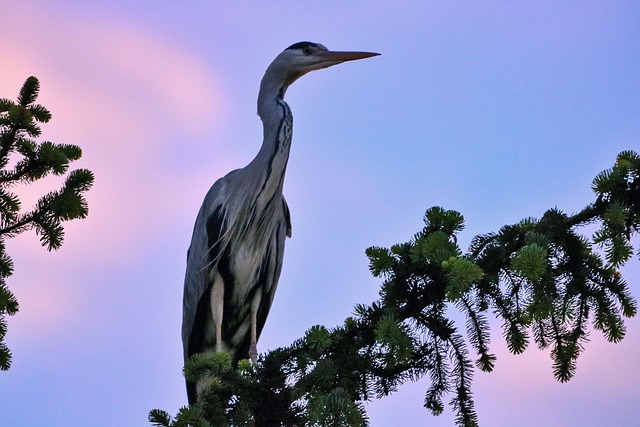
column 499, row 110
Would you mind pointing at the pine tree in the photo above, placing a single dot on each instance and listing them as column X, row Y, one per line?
column 23, row 160
column 547, row 283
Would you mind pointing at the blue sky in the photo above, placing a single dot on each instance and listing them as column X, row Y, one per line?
column 498, row 111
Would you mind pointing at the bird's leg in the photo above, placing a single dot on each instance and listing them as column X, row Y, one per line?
column 253, row 349
column 217, row 306
column 216, row 301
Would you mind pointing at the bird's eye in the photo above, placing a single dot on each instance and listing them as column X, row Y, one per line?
column 306, row 50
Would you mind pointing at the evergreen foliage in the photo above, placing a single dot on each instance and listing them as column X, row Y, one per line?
column 547, row 284
column 23, row 160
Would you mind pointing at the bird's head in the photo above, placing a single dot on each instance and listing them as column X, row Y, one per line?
column 303, row 57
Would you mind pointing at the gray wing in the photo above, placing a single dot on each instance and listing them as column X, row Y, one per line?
column 199, row 256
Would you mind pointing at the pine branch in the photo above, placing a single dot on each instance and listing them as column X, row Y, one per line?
column 539, row 277
column 18, row 124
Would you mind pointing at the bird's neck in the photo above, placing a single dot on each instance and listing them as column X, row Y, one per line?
column 271, row 161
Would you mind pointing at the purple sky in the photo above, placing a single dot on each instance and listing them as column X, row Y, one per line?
column 498, row 111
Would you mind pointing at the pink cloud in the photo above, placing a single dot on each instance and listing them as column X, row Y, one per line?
column 119, row 92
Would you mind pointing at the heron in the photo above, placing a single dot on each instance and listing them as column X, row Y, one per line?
column 235, row 256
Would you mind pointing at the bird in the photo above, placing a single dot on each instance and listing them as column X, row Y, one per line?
column 235, row 256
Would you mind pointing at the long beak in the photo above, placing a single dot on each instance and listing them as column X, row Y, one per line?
column 335, row 56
